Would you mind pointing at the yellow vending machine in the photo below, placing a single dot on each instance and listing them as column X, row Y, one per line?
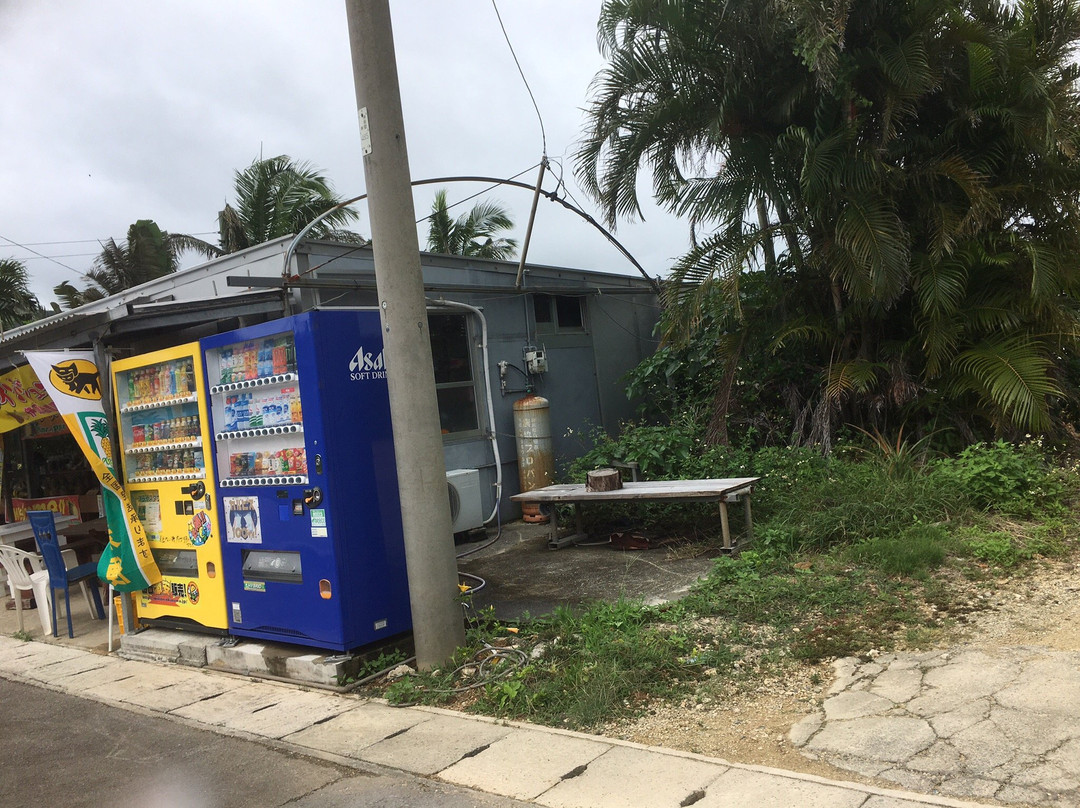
column 165, row 442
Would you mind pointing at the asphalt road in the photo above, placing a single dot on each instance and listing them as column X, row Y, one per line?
column 63, row 750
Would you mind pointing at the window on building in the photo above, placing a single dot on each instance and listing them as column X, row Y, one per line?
column 559, row 312
column 454, row 386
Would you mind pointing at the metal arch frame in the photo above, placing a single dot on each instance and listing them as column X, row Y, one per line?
column 551, row 195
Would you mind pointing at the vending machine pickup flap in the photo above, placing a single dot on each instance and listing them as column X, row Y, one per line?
column 177, row 563
column 271, row 565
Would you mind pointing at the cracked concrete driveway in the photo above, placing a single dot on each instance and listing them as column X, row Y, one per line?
column 998, row 724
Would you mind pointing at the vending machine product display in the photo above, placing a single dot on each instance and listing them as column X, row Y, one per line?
column 164, row 433
column 313, row 550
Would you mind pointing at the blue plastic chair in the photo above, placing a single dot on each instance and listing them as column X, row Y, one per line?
column 43, row 524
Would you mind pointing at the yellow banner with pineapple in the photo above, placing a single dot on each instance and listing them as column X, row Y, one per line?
column 72, row 381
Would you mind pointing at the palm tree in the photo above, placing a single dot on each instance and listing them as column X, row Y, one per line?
column 474, row 233
column 278, row 197
column 18, row 305
column 915, row 159
column 148, row 253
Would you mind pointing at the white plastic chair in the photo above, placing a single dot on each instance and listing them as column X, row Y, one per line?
column 20, row 565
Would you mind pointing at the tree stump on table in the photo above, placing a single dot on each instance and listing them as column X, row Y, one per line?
column 603, row 480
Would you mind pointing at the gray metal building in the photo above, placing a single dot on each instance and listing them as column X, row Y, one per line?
column 589, row 327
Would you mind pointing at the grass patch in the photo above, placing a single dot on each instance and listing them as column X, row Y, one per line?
column 914, row 551
column 851, row 557
column 577, row 668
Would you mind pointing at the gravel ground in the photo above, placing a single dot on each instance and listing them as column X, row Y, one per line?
column 1040, row 607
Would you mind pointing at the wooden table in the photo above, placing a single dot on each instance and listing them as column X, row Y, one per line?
column 71, row 534
column 15, row 532
column 85, row 538
column 80, row 530
column 21, row 535
column 723, row 491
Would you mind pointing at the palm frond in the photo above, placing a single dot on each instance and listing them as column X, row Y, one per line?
column 1015, row 376
column 854, row 376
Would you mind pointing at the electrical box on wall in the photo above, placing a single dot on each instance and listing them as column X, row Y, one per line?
column 535, row 361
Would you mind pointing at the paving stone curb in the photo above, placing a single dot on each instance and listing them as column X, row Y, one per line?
column 543, row 765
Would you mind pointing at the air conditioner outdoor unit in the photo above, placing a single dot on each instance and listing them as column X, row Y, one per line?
column 466, row 509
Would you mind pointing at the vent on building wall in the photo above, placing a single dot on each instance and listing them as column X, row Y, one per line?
column 466, row 509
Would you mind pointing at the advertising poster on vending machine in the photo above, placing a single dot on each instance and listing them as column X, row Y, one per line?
column 242, row 520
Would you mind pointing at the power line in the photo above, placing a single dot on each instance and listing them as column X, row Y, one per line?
column 67, row 255
column 543, row 134
column 478, row 193
column 73, row 241
column 562, row 184
column 93, row 240
column 41, row 255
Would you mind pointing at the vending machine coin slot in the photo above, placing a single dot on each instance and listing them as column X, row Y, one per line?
column 318, row 464
column 196, row 490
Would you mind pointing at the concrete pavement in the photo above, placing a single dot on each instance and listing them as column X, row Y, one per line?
column 78, row 753
column 998, row 724
column 534, row 764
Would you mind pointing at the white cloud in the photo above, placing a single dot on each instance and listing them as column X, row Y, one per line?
column 115, row 111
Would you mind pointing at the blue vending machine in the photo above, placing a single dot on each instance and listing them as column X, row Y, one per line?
column 313, row 551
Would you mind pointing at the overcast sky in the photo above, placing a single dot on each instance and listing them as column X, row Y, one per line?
column 116, row 111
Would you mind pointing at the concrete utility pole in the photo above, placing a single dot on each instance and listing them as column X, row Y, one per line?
column 438, row 627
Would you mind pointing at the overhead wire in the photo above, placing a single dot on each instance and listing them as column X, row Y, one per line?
column 64, row 255
column 42, row 255
column 94, row 240
column 347, row 253
column 543, row 133
column 481, row 192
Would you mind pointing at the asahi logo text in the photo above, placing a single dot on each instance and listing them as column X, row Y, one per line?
column 364, row 366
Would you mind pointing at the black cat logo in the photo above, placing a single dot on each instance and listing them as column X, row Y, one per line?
column 80, row 378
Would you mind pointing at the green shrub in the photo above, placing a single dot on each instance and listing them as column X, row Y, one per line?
column 675, row 451
column 995, row 548
column 1007, row 478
